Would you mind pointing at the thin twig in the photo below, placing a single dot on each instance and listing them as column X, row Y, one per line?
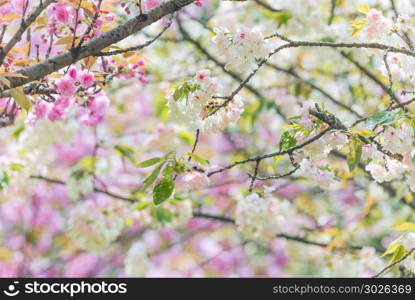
column 394, row 263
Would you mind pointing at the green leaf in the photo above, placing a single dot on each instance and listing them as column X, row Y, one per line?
column 179, row 93
column 18, row 130
column 163, row 190
column 399, row 253
column 125, row 151
column 20, row 97
column 163, row 215
column 198, row 159
column 4, row 179
column 392, row 247
column 168, row 170
column 287, row 141
column 355, row 153
column 16, row 167
column 153, row 176
column 149, row 162
column 404, row 226
column 143, row 205
column 187, row 137
column 87, row 163
column 277, row 159
column 381, row 118
column 283, row 17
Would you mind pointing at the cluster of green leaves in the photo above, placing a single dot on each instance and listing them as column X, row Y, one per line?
column 382, row 118
column 160, row 213
column 165, row 169
column 165, row 166
column 396, row 249
column 287, row 141
column 183, row 90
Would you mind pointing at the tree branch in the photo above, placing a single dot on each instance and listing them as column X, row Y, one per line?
column 23, row 26
column 94, row 46
column 394, row 263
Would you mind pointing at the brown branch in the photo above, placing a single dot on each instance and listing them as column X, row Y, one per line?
column 315, row 87
column 267, row 6
column 253, row 177
column 296, row 44
column 23, row 26
column 96, row 190
column 195, row 144
column 139, row 47
column 269, row 155
column 370, row 75
column 282, row 235
column 269, row 177
column 234, row 75
column 94, row 46
column 335, row 123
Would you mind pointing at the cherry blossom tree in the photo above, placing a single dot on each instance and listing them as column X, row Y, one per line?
column 207, row 138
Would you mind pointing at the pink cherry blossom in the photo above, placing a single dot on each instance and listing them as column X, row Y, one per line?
column 95, row 112
column 66, row 86
column 62, row 14
column 149, row 4
column 86, row 79
column 56, row 113
column 73, row 73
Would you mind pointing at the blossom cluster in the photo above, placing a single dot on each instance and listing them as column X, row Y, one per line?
column 195, row 104
column 263, row 217
column 241, row 49
column 94, row 224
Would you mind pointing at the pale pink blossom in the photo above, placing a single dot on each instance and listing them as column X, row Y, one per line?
column 195, row 180
column 202, row 75
column 374, row 16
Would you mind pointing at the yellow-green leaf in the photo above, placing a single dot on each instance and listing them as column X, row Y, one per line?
column 277, row 159
column 399, row 253
column 20, row 98
column 364, row 9
column 13, row 75
column 358, row 26
column 392, row 247
column 149, row 162
column 187, row 137
column 87, row 163
column 404, row 226
column 198, row 159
